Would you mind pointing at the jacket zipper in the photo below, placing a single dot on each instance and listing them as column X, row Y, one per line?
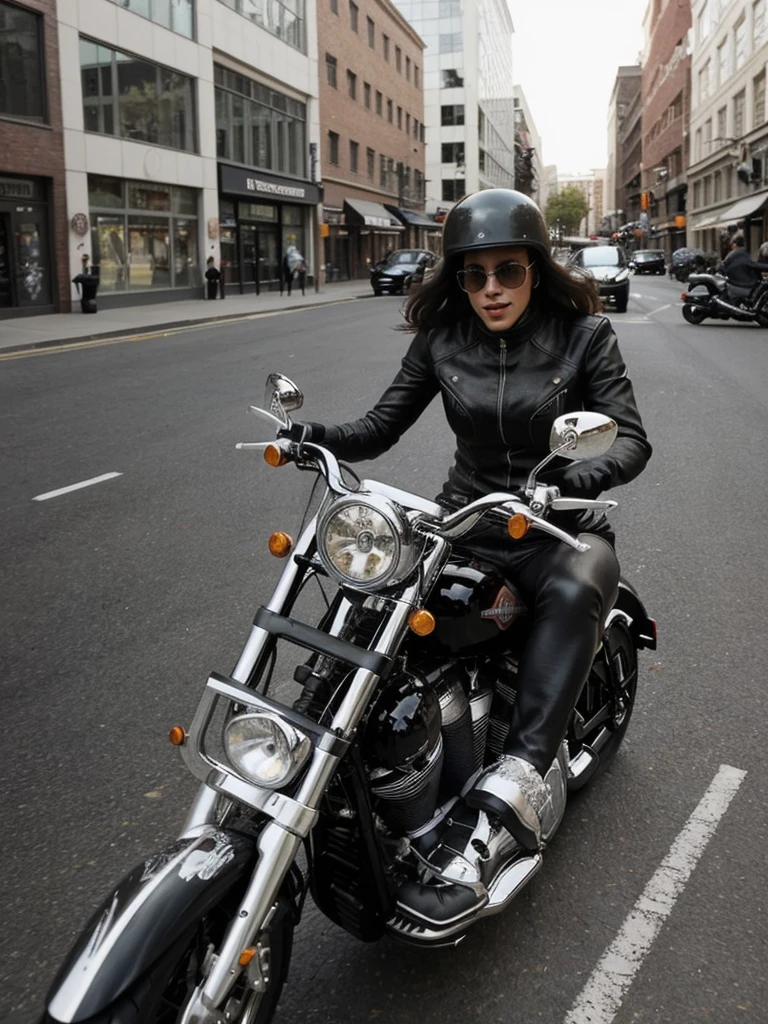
column 500, row 403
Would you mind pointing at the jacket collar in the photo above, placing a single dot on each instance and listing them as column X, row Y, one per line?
column 525, row 328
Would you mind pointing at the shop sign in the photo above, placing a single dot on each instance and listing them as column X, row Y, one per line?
column 16, row 188
column 240, row 181
column 79, row 224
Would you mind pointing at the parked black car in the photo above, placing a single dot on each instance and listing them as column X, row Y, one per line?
column 609, row 265
column 649, row 261
column 687, row 261
column 401, row 269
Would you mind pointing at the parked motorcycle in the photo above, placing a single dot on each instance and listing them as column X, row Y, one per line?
column 404, row 698
column 709, row 295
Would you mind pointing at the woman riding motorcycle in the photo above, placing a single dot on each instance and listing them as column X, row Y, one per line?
column 507, row 337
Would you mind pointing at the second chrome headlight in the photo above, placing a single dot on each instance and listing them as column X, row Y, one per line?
column 264, row 749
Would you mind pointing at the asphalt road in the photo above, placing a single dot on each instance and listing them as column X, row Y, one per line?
column 119, row 598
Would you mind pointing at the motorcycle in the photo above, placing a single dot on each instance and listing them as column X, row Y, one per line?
column 709, row 295
column 404, row 699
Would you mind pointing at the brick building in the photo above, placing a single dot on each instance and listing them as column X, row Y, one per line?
column 629, row 157
column 625, row 88
column 33, row 227
column 372, row 130
column 666, row 99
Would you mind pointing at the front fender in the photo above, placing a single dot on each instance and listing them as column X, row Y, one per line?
column 643, row 627
column 147, row 911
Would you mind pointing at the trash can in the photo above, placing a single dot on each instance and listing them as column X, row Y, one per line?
column 87, row 286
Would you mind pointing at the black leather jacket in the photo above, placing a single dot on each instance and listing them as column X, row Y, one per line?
column 501, row 394
column 741, row 270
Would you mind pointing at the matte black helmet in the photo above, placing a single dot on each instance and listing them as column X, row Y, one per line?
column 492, row 217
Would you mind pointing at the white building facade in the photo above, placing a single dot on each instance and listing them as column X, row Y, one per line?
column 728, row 170
column 592, row 185
column 468, row 96
column 190, row 131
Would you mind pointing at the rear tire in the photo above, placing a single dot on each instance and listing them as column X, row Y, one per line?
column 160, row 994
column 694, row 314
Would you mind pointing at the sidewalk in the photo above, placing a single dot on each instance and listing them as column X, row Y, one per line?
column 65, row 328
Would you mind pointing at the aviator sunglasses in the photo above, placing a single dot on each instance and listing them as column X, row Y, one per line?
column 508, row 275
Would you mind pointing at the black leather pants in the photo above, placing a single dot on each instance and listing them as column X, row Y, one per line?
column 569, row 594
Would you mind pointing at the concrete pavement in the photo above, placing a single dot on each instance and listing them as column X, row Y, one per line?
column 66, row 328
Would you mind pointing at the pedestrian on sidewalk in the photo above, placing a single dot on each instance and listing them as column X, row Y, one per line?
column 294, row 265
column 212, row 277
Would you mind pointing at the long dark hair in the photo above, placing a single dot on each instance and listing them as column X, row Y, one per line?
column 440, row 301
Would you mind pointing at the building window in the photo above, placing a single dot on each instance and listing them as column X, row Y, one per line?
column 452, row 153
column 333, row 148
column 407, row 124
column 354, row 154
column 176, row 16
column 449, row 8
column 143, row 235
column 718, row 187
column 452, row 114
column 385, row 46
column 389, row 111
column 697, row 146
column 379, row 100
column 370, row 157
column 722, row 122
column 697, row 195
column 703, row 22
column 334, row 6
column 759, row 23
column 136, row 99
column 704, row 74
column 418, row 186
column 371, row 32
column 740, row 44
column 705, row 191
column 354, row 16
column 398, row 59
column 382, row 171
column 400, row 117
column 22, row 91
column 450, row 78
column 421, row 133
column 708, row 137
column 739, row 102
column 758, row 92
column 416, row 76
column 352, row 84
column 415, row 128
column 722, row 62
column 258, row 126
column 367, row 94
column 453, row 189
column 450, row 42
column 408, row 69
column 331, row 70
column 281, row 18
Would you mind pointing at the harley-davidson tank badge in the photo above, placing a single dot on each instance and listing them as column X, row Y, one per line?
column 505, row 609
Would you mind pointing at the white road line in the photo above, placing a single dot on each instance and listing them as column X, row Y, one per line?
column 75, row 487
column 655, row 311
column 601, row 997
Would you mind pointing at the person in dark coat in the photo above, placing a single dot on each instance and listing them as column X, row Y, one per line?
column 212, row 277
column 741, row 271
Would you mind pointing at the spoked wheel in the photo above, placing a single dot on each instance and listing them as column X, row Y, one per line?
column 603, row 711
column 693, row 314
column 160, row 995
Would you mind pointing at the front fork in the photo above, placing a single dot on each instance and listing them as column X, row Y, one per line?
column 279, row 841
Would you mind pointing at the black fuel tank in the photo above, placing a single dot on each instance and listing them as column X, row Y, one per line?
column 476, row 609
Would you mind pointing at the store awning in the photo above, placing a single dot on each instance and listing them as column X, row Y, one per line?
column 413, row 219
column 361, row 212
column 713, row 219
column 746, row 206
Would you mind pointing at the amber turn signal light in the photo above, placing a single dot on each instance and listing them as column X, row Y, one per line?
column 518, row 526
column 177, row 736
column 421, row 622
column 280, row 544
column 275, row 456
column 246, row 956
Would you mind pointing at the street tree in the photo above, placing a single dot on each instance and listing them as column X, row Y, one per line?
column 569, row 207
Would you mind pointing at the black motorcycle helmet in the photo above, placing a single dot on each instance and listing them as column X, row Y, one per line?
column 494, row 217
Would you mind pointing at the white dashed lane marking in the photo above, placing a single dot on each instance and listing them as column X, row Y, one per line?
column 76, row 487
column 600, row 999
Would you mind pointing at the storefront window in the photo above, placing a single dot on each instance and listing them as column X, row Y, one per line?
column 258, row 126
column 135, row 249
column 136, row 99
column 22, row 93
column 173, row 14
column 257, row 211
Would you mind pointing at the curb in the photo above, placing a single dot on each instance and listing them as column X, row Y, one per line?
column 33, row 346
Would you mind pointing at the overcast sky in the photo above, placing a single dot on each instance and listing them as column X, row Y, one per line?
column 565, row 56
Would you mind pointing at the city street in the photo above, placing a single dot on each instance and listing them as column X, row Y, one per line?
column 119, row 598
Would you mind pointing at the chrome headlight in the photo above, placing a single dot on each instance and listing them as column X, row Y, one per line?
column 264, row 749
column 364, row 542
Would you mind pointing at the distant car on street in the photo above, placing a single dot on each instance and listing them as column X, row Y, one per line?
column 649, row 261
column 401, row 269
column 609, row 265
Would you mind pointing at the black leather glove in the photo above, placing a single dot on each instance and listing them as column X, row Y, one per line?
column 299, row 432
column 581, row 480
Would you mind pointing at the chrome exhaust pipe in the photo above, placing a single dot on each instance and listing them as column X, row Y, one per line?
column 737, row 312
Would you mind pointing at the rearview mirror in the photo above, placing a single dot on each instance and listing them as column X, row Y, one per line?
column 282, row 396
column 586, row 434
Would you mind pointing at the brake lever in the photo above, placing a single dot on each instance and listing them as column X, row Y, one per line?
column 587, row 504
